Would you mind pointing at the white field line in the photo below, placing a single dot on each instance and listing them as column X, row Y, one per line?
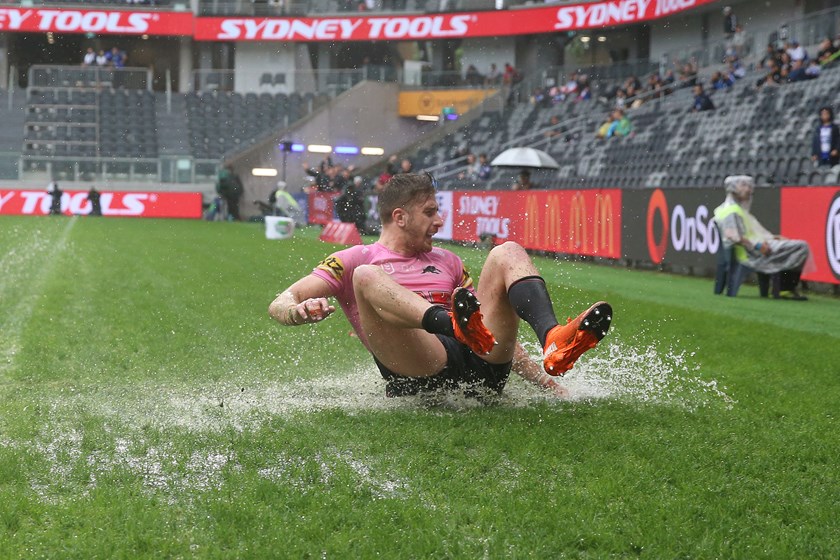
column 26, row 266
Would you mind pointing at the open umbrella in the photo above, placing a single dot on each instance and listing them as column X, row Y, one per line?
column 525, row 157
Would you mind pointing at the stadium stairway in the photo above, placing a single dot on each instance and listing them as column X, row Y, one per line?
column 172, row 128
column 13, row 117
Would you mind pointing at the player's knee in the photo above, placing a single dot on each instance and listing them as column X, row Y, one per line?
column 508, row 250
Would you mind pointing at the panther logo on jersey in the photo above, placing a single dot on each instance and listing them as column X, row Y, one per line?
column 333, row 266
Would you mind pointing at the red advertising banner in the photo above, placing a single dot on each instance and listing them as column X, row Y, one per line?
column 440, row 26
column 813, row 214
column 107, row 22
column 321, row 207
column 586, row 222
column 136, row 204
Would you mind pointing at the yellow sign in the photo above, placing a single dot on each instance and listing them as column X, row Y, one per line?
column 432, row 102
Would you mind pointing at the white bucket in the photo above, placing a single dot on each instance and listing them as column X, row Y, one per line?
column 277, row 227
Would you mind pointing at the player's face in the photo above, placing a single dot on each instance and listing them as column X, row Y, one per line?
column 422, row 223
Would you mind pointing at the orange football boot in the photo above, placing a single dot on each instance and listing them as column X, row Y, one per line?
column 467, row 322
column 564, row 344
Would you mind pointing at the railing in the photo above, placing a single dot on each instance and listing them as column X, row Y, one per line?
column 166, row 169
column 89, row 77
column 331, row 82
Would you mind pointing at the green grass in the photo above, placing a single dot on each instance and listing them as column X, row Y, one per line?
column 150, row 408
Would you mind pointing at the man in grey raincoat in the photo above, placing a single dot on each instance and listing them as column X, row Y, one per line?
column 755, row 247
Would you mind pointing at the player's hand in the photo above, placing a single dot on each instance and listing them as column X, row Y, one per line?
column 765, row 249
column 312, row 310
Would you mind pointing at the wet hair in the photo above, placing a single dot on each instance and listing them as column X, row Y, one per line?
column 403, row 191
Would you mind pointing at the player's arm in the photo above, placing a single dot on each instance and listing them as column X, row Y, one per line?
column 531, row 371
column 303, row 302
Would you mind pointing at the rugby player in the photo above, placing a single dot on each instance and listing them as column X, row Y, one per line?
column 414, row 307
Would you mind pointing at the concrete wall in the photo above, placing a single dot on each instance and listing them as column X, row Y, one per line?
column 363, row 116
column 252, row 60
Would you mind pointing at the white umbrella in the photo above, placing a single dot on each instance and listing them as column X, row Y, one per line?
column 525, row 157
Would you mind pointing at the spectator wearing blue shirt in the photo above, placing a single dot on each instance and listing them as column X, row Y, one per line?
column 702, row 102
column 825, row 147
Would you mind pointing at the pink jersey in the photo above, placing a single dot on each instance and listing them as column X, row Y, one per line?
column 432, row 275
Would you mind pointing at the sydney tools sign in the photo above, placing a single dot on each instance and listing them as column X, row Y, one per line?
column 135, row 204
column 440, row 26
column 111, row 22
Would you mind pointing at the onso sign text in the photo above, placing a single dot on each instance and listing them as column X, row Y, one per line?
column 695, row 233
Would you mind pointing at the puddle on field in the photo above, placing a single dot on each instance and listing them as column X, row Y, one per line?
column 614, row 372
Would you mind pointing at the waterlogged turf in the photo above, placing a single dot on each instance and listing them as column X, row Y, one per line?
column 150, row 408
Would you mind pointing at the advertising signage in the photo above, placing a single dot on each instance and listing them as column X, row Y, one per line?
column 378, row 27
column 675, row 226
column 405, row 27
column 105, row 22
column 585, row 222
column 131, row 204
column 813, row 214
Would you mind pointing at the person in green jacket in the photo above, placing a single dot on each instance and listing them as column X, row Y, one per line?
column 756, row 247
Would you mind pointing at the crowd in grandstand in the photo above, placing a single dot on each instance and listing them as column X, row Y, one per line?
column 114, row 58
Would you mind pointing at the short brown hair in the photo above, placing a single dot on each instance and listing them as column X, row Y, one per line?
column 402, row 191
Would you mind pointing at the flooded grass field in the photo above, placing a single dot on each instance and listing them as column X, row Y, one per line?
column 149, row 407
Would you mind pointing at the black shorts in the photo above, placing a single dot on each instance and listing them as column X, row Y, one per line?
column 464, row 371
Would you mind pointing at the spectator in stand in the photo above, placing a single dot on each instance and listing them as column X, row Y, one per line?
column 730, row 23
column 584, row 90
column 484, row 169
column 796, row 52
column 117, row 58
column 620, row 125
column 511, row 75
column 605, row 127
column 101, row 58
column 772, row 54
column 688, row 74
column 470, row 172
column 825, row 146
column 524, row 183
column 493, row 77
column 472, row 77
column 406, row 166
column 773, row 76
column 739, row 42
column 827, row 52
column 393, row 166
column 735, row 69
column 720, row 81
column 570, row 88
column 90, row 57
column 702, row 102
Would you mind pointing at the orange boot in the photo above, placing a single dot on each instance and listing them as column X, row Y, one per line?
column 564, row 344
column 467, row 322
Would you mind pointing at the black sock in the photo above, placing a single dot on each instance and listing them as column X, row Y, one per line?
column 529, row 297
column 436, row 320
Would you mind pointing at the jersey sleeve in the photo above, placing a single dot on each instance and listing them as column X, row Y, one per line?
column 337, row 269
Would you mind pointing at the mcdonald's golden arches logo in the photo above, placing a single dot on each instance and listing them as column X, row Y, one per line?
column 577, row 223
column 603, row 234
